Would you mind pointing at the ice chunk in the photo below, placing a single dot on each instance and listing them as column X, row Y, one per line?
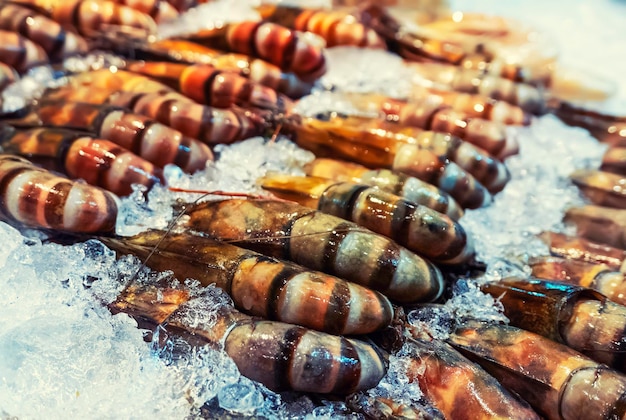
column 353, row 69
column 241, row 398
column 209, row 15
column 537, row 195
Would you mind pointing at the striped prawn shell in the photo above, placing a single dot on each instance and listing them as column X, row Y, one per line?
column 487, row 170
column 456, row 386
column 336, row 27
column 320, row 242
column 38, row 198
column 558, row 382
column 448, row 176
column 279, row 355
column 431, row 113
column 207, row 124
column 20, row 52
column 299, row 53
column 264, row 286
column 420, row 229
column 529, row 98
column 601, row 277
column 405, row 186
column 150, row 140
column 56, row 42
column 289, row 50
column 93, row 17
column 208, row 85
column 99, row 162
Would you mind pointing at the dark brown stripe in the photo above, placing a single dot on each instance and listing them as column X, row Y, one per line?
column 386, row 267
column 183, row 152
column 58, row 42
column 205, row 127
column 401, row 222
column 252, row 39
column 136, row 146
column 5, row 181
column 103, row 113
column 288, row 346
column 428, row 123
column 76, row 18
column 335, row 238
column 244, row 96
column 288, row 53
column 208, row 87
column 618, row 408
column 30, row 198
column 55, row 203
column 164, row 111
column 349, row 373
column 338, row 310
column 277, row 285
column 111, row 209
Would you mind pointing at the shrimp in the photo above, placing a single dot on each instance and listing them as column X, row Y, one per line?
column 280, row 356
column 208, row 85
column 209, row 125
column 576, row 248
column 600, row 224
column 99, row 162
column 420, row 229
column 599, row 277
column 373, row 137
column 93, row 17
column 431, row 113
column 607, row 129
column 558, row 382
column 320, row 242
column 294, row 52
column 386, row 409
column 258, row 71
column 55, row 41
column 602, row 188
column 407, row 187
column 20, row 53
column 474, row 105
column 459, row 388
column 155, row 142
column 261, row 285
column 336, row 27
column 35, row 197
column 448, row 77
column 579, row 317
column 333, row 139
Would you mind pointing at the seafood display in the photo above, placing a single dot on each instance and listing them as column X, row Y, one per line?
column 342, row 260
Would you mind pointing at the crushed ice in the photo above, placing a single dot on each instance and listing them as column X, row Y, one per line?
column 64, row 354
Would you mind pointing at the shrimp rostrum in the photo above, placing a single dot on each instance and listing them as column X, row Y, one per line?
column 280, row 356
column 321, row 242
